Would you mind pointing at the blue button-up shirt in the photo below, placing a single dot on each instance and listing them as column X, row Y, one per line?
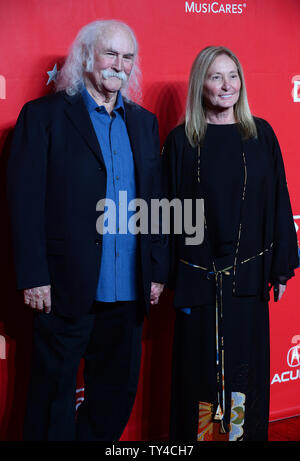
column 117, row 278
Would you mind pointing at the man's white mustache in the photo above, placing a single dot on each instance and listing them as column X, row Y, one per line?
column 109, row 73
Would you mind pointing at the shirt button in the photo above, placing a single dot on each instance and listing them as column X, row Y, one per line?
column 115, row 152
column 117, row 178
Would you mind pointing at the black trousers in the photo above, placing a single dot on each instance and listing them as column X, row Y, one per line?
column 109, row 339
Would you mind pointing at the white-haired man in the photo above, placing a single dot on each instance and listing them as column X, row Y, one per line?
column 85, row 143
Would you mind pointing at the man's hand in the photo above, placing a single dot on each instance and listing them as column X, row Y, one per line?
column 156, row 290
column 38, row 298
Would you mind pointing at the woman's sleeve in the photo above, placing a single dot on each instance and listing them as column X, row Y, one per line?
column 285, row 249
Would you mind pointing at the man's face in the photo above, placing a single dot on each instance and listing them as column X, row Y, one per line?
column 114, row 58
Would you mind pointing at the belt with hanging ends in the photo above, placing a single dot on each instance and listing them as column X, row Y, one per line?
column 219, row 414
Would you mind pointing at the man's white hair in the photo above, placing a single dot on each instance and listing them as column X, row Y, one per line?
column 81, row 59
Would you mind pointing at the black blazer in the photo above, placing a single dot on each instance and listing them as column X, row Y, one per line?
column 56, row 176
column 266, row 218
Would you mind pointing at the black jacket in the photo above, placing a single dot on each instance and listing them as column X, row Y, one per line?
column 56, row 176
column 266, row 218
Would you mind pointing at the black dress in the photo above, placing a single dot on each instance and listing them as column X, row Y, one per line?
column 220, row 377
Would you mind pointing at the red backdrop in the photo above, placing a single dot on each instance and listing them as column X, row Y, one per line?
column 34, row 36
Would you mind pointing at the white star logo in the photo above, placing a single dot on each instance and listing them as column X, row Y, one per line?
column 52, row 74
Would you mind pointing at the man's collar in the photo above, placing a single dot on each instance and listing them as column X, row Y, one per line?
column 91, row 104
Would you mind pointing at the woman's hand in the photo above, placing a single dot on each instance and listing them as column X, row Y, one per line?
column 279, row 289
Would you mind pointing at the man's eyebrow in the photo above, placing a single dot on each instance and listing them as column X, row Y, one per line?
column 111, row 50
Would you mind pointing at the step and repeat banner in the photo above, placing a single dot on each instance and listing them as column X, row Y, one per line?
column 35, row 36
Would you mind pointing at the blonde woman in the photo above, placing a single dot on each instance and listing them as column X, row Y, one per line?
column 221, row 153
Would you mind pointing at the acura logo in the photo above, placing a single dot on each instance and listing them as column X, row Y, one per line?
column 293, row 356
column 293, row 360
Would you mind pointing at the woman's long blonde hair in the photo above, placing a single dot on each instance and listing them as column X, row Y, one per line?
column 195, row 117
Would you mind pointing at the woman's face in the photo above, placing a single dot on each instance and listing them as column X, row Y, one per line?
column 221, row 89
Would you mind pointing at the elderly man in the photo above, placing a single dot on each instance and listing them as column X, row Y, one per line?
column 90, row 290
